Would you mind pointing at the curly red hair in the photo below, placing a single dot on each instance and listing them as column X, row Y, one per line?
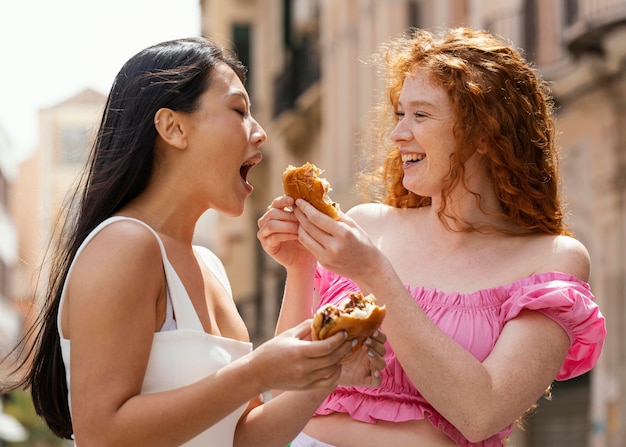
column 499, row 100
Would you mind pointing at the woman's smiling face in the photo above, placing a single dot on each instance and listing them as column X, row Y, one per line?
column 424, row 134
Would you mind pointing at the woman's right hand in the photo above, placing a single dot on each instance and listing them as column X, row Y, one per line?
column 278, row 234
column 341, row 246
column 292, row 361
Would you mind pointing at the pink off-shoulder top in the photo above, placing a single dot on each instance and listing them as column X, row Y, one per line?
column 475, row 320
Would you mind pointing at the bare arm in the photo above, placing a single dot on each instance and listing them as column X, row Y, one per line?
column 479, row 398
column 298, row 302
column 112, row 304
column 278, row 234
column 278, row 421
column 111, row 321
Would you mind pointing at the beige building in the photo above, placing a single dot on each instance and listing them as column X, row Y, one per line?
column 311, row 92
column 10, row 319
column 65, row 133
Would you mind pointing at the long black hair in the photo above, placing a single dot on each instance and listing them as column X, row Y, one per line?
column 172, row 75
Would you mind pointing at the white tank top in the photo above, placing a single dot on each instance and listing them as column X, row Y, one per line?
column 184, row 355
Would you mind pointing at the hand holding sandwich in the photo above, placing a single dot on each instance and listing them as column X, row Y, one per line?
column 291, row 236
column 342, row 247
column 280, row 233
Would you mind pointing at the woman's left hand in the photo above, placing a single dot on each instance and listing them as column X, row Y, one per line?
column 362, row 367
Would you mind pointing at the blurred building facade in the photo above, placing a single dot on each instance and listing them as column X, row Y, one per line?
column 311, row 92
column 10, row 318
column 65, row 134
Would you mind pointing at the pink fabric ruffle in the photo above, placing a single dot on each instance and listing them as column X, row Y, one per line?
column 569, row 302
column 474, row 320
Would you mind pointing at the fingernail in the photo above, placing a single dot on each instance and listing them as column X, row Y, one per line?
column 354, row 342
column 370, row 352
column 376, row 374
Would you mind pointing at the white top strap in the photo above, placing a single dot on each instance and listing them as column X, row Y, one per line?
column 184, row 312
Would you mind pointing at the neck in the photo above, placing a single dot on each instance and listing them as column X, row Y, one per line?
column 167, row 215
column 463, row 211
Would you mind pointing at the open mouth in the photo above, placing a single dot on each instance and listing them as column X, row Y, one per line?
column 245, row 169
column 408, row 159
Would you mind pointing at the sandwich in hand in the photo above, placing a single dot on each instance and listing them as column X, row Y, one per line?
column 304, row 182
column 358, row 315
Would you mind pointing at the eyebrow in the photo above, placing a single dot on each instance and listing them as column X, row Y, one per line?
column 239, row 93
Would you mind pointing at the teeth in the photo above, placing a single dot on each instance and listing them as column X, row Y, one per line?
column 412, row 157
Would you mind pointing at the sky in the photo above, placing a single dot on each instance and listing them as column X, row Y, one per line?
column 51, row 50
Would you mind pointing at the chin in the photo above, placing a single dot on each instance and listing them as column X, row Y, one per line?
column 423, row 190
column 410, row 187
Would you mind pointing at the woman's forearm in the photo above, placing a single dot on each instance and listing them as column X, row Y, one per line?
column 478, row 398
column 297, row 304
column 278, row 422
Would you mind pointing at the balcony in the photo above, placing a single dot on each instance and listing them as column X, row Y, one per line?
column 595, row 26
column 301, row 71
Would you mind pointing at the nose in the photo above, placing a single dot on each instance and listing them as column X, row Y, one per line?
column 258, row 135
column 400, row 132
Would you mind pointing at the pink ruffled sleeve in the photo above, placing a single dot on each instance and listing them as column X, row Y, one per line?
column 570, row 303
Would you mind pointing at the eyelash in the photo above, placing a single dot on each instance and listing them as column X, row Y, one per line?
column 416, row 114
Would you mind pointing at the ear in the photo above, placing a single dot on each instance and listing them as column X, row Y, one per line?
column 482, row 148
column 168, row 126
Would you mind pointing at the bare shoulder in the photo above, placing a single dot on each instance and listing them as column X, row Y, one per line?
column 564, row 254
column 115, row 282
column 370, row 215
column 129, row 236
column 370, row 209
column 120, row 247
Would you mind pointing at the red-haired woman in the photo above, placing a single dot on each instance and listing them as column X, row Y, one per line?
column 485, row 288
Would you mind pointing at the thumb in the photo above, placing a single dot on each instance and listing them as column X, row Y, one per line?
column 303, row 330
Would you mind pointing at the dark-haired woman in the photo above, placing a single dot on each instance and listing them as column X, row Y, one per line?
column 485, row 288
column 140, row 343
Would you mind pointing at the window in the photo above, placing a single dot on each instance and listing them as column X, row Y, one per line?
column 242, row 37
column 302, row 52
column 414, row 14
column 530, row 29
column 571, row 11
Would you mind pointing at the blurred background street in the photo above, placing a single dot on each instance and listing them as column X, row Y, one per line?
column 311, row 89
